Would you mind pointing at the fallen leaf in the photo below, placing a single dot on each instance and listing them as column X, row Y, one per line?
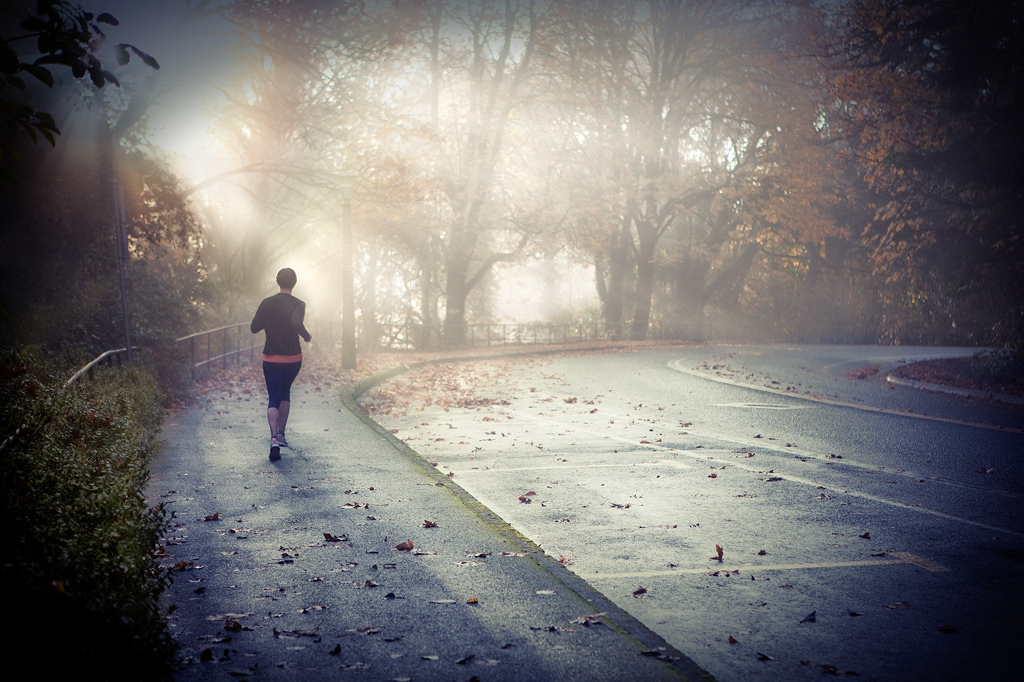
column 733, row 640
column 404, row 546
column 590, row 619
column 812, row 617
column 295, row 633
column 761, row 553
column 866, row 536
column 429, row 524
column 212, row 517
column 472, row 600
column 232, row 625
column 639, row 591
column 720, row 551
column 335, row 651
column 334, row 538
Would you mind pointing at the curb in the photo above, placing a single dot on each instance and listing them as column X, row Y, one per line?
column 650, row 643
column 954, row 390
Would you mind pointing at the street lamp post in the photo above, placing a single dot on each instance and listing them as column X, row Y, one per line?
column 348, row 297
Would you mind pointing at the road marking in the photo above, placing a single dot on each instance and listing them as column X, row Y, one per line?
column 763, row 406
column 676, row 365
column 702, row 456
column 923, row 563
column 903, row 558
column 567, row 467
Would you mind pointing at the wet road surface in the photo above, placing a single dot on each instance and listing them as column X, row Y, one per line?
column 864, row 528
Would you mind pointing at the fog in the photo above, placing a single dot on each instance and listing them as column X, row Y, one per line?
column 658, row 168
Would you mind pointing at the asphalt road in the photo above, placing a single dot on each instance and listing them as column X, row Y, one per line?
column 864, row 528
column 350, row 558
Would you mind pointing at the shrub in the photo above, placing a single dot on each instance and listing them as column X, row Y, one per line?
column 80, row 543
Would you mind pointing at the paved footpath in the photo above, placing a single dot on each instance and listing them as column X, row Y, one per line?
column 294, row 569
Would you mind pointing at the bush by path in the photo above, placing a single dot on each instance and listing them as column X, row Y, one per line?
column 78, row 540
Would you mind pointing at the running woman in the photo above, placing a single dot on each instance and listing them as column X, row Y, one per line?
column 281, row 316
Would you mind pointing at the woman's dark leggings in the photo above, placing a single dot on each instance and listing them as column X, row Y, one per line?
column 279, row 376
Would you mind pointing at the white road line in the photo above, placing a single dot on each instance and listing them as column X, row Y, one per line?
column 676, row 365
column 567, row 467
column 702, row 457
column 788, row 453
column 902, row 559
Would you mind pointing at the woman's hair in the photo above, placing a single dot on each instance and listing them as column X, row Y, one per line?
column 286, row 278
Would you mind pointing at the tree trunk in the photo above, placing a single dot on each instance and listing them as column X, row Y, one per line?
column 428, row 305
column 370, row 340
column 614, row 293
column 689, row 297
column 644, row 293
column 647, row 236
column 455, row 314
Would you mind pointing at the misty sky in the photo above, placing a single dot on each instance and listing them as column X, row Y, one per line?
column 194, row 59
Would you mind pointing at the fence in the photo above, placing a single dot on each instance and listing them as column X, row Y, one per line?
column 233, row 343
column 109, row 358
column 221, row 345
column 523, row 334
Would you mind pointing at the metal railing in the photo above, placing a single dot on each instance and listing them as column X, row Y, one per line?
column 535, row 333
column 221, row 345
column 109, row 358
column 231, row 344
